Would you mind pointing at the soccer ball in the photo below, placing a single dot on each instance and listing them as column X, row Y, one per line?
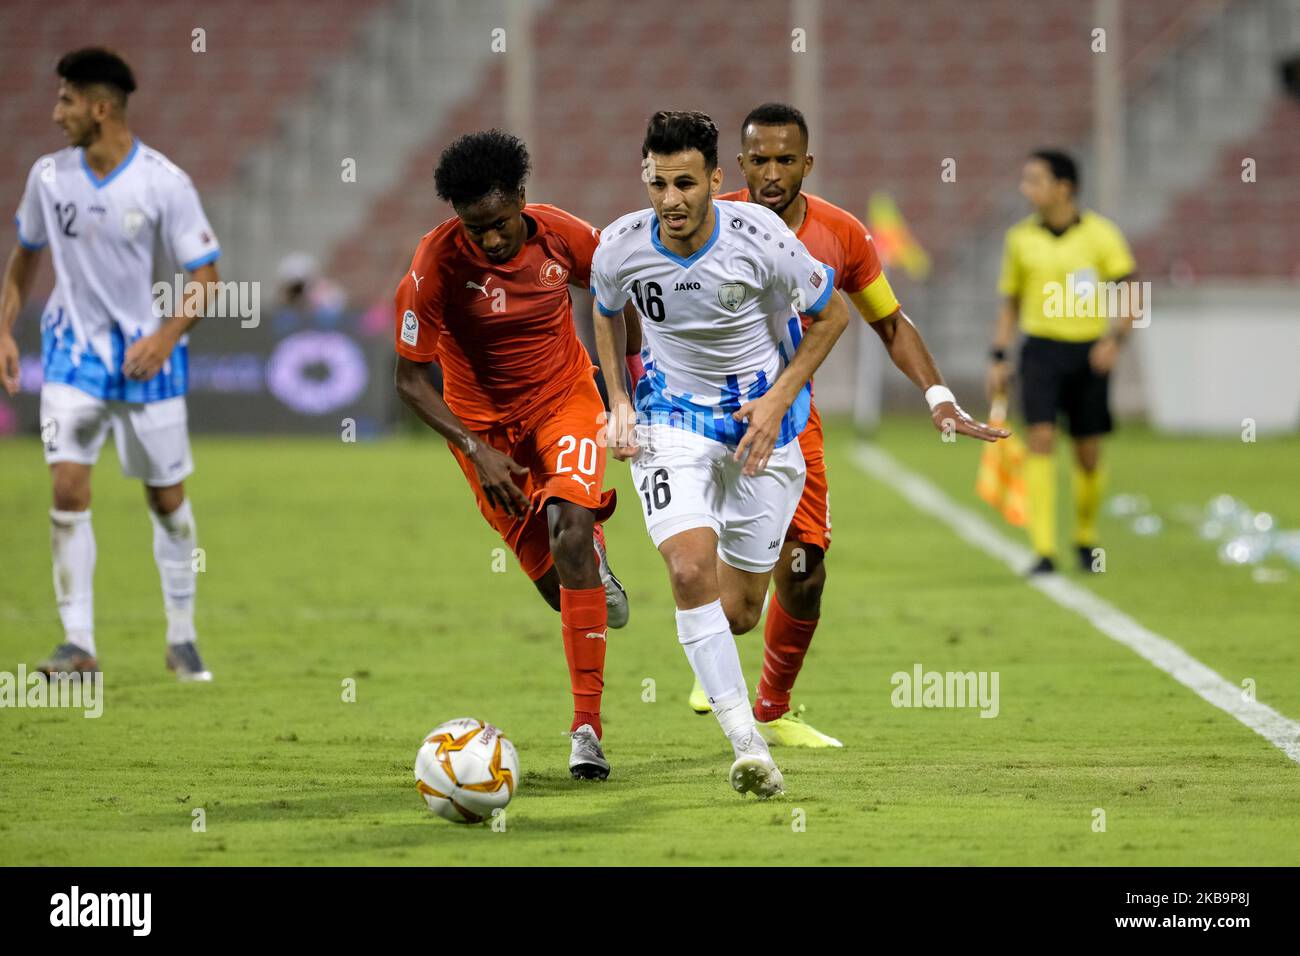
column 466, row 769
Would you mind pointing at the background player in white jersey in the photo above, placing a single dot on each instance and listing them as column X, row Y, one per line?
column 109, row 360
column 719, row 286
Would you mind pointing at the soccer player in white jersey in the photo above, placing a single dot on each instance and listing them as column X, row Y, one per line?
column 719, row 286
column 108, row 359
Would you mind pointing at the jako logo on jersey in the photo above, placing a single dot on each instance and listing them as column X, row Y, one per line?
column 410, row 328
column 731, row 295
column 686, row 286
column 482, row 288
column 552, row 274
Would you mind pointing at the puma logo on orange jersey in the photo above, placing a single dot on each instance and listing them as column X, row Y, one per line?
column 585, row 484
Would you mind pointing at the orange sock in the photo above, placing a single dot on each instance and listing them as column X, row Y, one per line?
column 583, row 619
column 785, row 642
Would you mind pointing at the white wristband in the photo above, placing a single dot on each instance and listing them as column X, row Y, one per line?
column 938, row 394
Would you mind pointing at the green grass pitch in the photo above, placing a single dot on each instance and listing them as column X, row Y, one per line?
column 327, row 561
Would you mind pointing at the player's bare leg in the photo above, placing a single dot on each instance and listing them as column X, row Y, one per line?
column 174, row 541
column 584, row 622
column 705, row 628
column 72, row 545
column 1086, row 485
column 548, row 585
column 1040, row 487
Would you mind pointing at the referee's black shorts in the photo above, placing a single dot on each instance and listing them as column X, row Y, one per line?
column 1055, row 377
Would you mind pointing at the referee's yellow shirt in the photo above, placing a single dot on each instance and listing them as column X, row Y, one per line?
column 1055, row 277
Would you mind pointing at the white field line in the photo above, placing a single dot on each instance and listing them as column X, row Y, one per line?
column 1280, row 731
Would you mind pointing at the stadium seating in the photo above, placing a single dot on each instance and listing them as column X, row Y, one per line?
column 888, row 117
column 1238, row 229
column 201, row 109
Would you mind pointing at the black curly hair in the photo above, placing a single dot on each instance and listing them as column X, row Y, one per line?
column 477, row 164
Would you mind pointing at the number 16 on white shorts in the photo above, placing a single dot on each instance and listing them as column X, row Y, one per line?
column 686, row 480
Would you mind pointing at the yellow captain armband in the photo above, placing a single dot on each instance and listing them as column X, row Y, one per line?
column 877, row 300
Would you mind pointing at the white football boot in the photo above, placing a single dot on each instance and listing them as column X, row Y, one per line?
column 754, row 770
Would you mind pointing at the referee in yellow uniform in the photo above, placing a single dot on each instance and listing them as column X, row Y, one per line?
column 1052, row 264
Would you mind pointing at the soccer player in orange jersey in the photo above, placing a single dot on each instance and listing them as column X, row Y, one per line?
column 487, row 298
column 774, row 160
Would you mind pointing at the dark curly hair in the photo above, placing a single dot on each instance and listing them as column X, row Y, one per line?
column 674, row 131
column 94, row 65
column 477, row 164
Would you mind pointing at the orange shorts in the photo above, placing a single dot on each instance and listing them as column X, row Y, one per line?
column 559, row 445
column 811, row 523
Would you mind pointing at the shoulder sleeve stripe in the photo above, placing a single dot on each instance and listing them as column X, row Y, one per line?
column 826, row 292
column 193, row 264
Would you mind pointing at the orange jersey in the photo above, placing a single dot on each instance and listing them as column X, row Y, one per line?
column 502, row 332
column 836, row 237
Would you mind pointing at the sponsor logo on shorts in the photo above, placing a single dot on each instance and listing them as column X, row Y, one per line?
column 772, row 545
column 816, row 280
column 49, row 434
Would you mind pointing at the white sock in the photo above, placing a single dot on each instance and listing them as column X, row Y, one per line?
column 72, row 544
column 173, row 550
column 710, row 646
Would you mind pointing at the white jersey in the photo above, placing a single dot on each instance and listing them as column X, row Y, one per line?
column 102, row 235
column 718, row 327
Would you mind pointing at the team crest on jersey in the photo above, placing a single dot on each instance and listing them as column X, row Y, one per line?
column 410, row 328
column 552, row 274
column 731, row 295
column 132, row 223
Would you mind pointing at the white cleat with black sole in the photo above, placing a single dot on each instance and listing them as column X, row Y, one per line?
column 586, row 759
column 755, row 772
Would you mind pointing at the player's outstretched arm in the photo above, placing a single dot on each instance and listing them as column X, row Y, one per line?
column 908, row 352
column 611, row 351
column 765, row 413
column 146, row 356
column 495, row 471
column 19, row 273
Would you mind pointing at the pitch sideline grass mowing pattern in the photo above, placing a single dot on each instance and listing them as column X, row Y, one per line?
column 328, row 560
